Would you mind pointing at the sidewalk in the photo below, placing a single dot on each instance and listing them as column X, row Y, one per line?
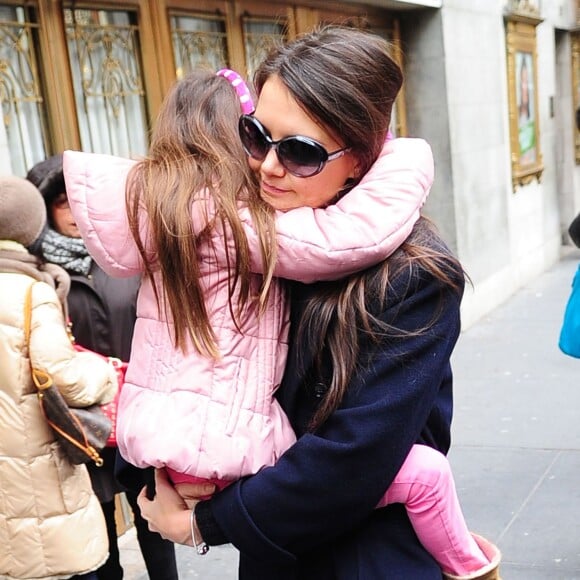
column 516, row 445
column 516, row 441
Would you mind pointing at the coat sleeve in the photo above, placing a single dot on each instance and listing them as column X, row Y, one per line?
column 82, row 378
column 329, row 481
column 574, row 230
column 95, row 186
column 363, row 228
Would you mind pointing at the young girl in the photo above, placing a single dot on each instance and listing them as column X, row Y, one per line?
column 210, row 342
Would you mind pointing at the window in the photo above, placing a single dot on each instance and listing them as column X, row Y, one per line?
column 105, row 63
column 259, row 35
column 23, row 112
column 198, row 41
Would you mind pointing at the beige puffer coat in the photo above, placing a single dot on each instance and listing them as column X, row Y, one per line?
column 51, row 523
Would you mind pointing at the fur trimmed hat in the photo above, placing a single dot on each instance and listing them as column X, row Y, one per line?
column 48, row 176
column 22, row 211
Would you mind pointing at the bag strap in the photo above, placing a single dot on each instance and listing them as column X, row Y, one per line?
column 43, row 381
column 28, row 315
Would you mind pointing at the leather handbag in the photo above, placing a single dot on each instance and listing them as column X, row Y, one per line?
column 569, row 341
column 81, row 432
column 110, row 409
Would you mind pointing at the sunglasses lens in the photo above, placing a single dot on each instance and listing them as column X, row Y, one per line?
column 301, row 157
column 253, row 138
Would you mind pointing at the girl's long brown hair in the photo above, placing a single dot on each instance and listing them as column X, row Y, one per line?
column 196, row 158
column 348, row 80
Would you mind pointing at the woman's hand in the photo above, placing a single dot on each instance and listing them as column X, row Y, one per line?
column 169, row 513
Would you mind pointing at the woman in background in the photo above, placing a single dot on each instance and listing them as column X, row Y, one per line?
column 51, row 525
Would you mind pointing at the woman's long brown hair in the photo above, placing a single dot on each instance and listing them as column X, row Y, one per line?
column 196, row 158
column 348, row 80
column 338, row 316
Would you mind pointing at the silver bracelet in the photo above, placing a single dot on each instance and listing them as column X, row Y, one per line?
column 202, row 548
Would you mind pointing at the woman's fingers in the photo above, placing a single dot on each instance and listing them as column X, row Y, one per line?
column 167, row 514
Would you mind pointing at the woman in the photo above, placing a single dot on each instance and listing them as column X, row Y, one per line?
column 369, row 371
column 51, row 525
column 102, row 311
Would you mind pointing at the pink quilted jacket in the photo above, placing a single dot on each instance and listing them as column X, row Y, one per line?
column 218, row 419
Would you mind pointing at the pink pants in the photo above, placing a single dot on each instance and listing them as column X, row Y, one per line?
column 425, row 485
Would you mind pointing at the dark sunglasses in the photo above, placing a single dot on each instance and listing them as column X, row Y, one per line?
column 300, row 156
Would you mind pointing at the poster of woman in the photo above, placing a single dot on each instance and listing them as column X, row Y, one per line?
column 525, row 142
column 526, row 107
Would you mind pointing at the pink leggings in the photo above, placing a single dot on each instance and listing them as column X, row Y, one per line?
column 425, row 485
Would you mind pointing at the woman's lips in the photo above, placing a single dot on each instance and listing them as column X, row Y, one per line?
column 273, row 190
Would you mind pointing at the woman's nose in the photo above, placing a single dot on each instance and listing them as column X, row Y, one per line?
column 271, row 164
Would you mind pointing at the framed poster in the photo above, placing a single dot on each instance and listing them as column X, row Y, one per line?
column 522, row 65
column 526, row 113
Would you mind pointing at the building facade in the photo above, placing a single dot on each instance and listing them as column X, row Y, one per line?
column 493, row 85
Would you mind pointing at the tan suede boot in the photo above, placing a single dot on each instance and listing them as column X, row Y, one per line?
column 488, row 572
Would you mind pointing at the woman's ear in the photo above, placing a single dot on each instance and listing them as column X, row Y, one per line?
column 355, row 172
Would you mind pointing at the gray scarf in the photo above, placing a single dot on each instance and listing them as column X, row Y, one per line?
column 69, row 253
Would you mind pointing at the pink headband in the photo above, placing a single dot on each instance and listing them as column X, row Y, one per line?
column 241, row 88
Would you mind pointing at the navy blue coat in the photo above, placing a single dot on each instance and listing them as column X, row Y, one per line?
column 312, row 516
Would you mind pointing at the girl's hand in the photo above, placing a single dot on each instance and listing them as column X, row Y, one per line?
column 168, row 514
column 191, row 493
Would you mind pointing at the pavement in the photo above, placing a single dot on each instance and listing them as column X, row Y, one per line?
column 516, row 441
